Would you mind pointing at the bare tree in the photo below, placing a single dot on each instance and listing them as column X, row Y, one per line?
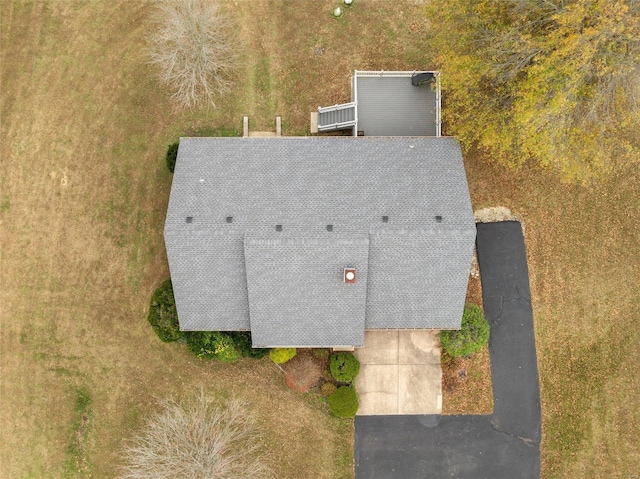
column 197, row 440
column 193, row 50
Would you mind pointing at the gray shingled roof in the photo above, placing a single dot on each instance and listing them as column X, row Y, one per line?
column 287, row 286
column 303, row 278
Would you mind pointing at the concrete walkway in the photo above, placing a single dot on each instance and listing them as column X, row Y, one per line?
column 504, row 445
column 400, row 373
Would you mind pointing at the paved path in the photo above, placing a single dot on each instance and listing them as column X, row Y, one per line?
column 503, row 445
column 400, row 373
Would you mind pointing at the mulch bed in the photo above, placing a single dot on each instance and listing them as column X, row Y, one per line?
column 466, row 382
column 305, row 372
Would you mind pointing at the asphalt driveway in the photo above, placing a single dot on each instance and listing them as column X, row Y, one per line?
column 502, row 445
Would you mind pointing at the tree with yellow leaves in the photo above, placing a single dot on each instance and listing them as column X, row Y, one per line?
column 553, row 80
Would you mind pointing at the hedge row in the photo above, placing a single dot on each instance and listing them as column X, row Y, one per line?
column 228, row 346
column 163, row 315
column 224, row 346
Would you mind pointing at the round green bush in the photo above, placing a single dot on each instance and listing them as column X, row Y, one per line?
column 344, row 402
column 243, row 343
column 172, row 155
column 344, row 367
column 471, row 338
column 212, row 345
column 163, row 315
column 282, row 355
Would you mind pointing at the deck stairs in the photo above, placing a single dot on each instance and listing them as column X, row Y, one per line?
column 337, row 117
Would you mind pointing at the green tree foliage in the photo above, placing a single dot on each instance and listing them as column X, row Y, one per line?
column 344, row 402
column 242, row 339
column 172, row 156
column 212, row 345
column 282, row 355
column 163, row 315
column 471, row 338
column 344, row 367
column 554, row 80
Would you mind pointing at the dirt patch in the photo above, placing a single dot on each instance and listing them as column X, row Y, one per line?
column 466, row 382
column 474, row 287
column 304, row 371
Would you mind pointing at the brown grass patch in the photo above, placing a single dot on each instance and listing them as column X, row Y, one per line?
column 297, row 57
column 466, row 384
column 583, row 245
column 83, row 195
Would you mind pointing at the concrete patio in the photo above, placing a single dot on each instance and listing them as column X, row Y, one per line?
column 400, row 373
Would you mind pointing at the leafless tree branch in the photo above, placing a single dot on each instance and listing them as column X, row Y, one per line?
column 193, row 50
column 198, row 440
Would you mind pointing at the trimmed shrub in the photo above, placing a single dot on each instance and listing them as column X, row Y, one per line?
column 243, row 343
column 282, row 355
column 344, row 402
column 172, row 155
column 344, row 367
column 212, row 345
column 327, row 389
column 320, row 353
column 163, row 315
column 471, row 338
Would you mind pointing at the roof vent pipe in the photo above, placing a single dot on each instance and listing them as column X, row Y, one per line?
column 349, row 275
